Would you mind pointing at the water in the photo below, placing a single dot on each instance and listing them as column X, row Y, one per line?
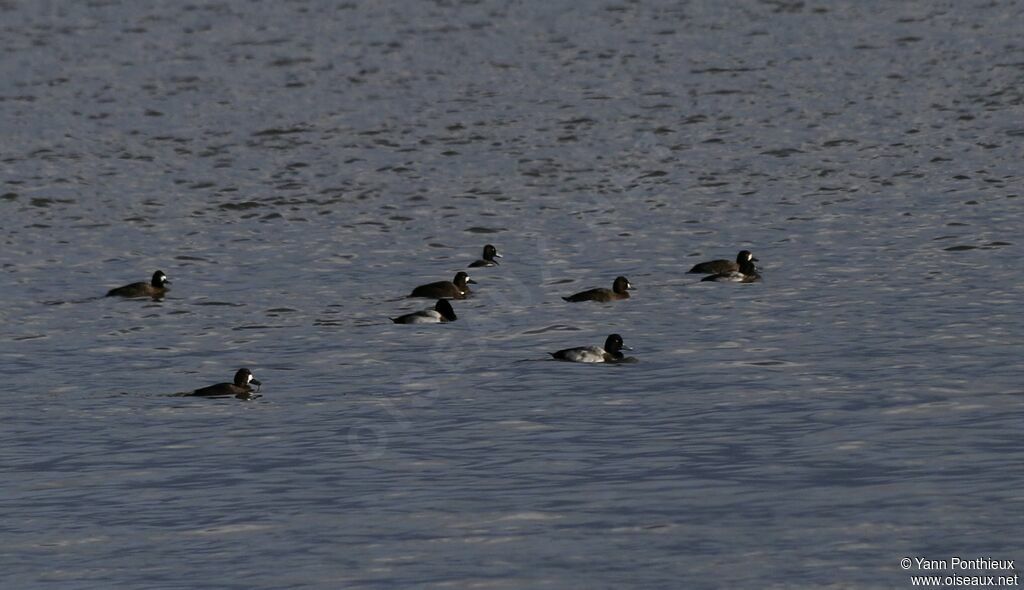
column 297, row 167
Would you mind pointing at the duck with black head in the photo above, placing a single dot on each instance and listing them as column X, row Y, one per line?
column 714, row 267
column 611, row 353
column 620, row 290
column 241, row 388
column 155, row 288
column 490, row 253
column 441, row 313
column 454, row 289
column 746, row 273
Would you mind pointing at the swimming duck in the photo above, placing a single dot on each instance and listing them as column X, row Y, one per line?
column 441, row 313
column 242, row 386
column 454, row 289
column 747, row 273
column 620, row 290
column 611, row 353
column 490, row 253
column 155, row 288
column 713, row 267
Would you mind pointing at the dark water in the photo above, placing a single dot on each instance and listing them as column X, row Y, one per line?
column 298, row 166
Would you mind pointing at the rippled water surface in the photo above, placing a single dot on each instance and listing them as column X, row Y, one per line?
column 297, row 167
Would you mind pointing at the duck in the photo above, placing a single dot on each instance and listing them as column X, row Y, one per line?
column 713, row 267
column 242, row 387
column 155, row 288
column 747, row 273
column 442, row 313
column 490, row 253
column 611, row 353
column 454, row 289
column 620, row 290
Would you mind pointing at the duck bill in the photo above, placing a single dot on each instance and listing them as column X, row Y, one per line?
column 255, row 382
column 470, row 282
column 624, row 347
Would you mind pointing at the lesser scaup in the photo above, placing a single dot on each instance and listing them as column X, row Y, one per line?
column 155, row 288
column 747, row 273
column 611, row 353
column 242, row 386
column 490, row 253
column 620, row 290
column 454, row 289
column 441, row 313
column 713, row 267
